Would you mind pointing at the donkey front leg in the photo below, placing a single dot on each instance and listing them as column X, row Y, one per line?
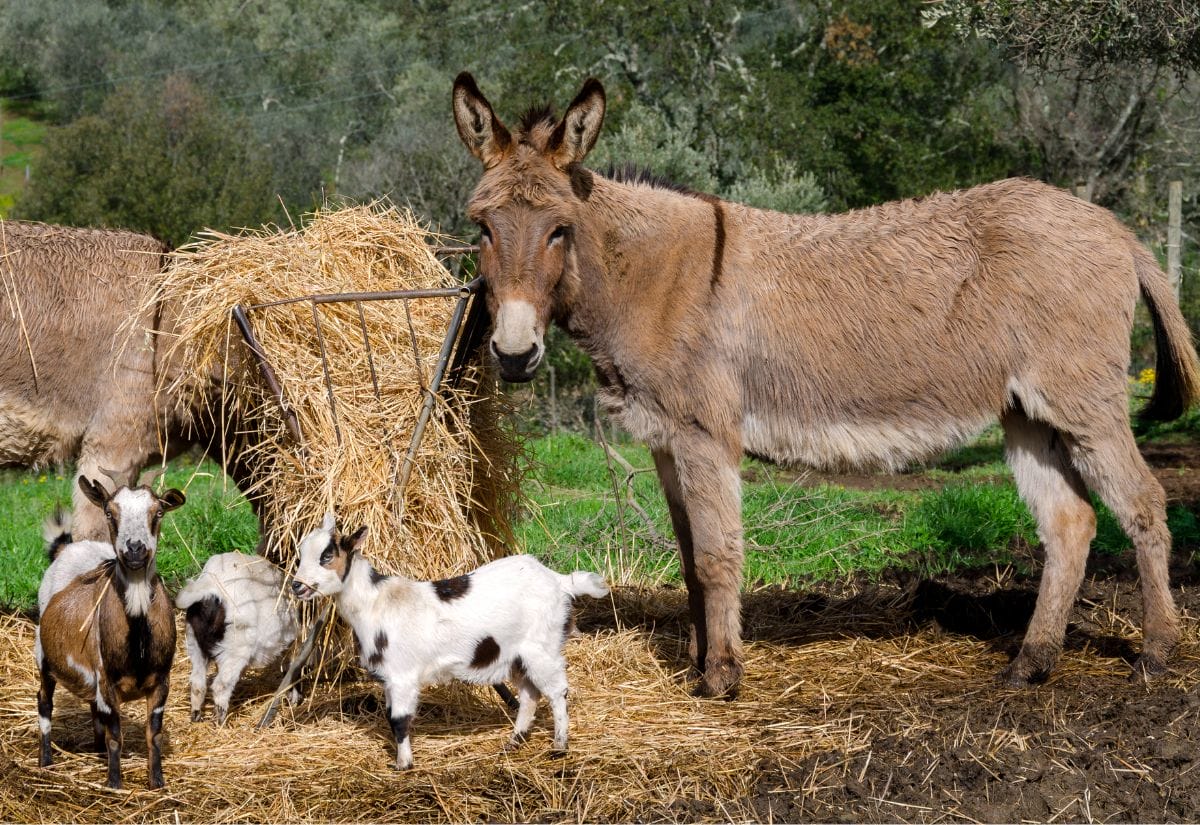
column 668, row 476
column 707, row 482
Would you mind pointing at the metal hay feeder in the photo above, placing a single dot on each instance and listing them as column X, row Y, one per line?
column 464, row 333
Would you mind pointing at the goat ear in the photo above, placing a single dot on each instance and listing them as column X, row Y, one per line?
column 477, row 124
column 576, row 133
column 350, row 543
column 328, row 522
column 94, row 491
column 171, row 499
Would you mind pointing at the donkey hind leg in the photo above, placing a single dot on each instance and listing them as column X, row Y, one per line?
column 706, row 477
column 1055, row 494
column 1115, row 469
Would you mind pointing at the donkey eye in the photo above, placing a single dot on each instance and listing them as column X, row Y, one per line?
column 485, row 233
column 558, row 234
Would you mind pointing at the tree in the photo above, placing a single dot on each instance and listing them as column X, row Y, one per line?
column 1101, row 34
column 162, row 160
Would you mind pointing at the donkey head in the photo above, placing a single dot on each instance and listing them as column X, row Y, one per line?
column 526, row 205
column 134, row 516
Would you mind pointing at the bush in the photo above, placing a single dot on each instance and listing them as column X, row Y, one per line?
column 165, row 160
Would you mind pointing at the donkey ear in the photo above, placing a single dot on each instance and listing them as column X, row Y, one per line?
column 576, row 133
column 94, row 491
column 478, row 126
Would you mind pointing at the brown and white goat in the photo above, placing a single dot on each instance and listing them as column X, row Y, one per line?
column 107, row 630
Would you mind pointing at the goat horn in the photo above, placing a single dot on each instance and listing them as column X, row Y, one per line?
column 113, row 475
column 150, row 476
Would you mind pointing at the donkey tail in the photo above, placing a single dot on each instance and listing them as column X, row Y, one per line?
column 56, row 530
column 1176, row 370
column 581, row 583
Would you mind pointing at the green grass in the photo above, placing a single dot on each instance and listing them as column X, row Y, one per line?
column 586, row 513
column 20, row 143
column 215, row 519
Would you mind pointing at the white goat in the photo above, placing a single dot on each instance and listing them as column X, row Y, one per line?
column 507, row 619
column 235, row 615
column 106, row 629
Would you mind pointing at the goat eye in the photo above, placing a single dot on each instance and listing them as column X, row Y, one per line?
column 327, row 556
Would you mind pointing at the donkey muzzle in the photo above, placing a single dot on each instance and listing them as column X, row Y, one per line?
column 518, row 368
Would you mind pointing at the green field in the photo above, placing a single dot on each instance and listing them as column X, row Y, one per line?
column 20, row 142
column 589, row 512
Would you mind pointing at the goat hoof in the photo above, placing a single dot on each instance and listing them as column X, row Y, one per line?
column 197, row 716
column 403, row 767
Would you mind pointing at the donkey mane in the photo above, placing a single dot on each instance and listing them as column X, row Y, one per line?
column 634, row 174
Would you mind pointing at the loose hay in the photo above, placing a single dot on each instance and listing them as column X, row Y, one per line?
column 465, row 478
column 851, row 709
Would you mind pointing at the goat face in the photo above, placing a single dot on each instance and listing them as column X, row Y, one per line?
column 134, row 517
column 325, row 556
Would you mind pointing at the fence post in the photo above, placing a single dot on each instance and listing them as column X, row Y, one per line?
column 553, row 401
column 1174, row 233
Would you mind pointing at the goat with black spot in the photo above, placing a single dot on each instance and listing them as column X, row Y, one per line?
column 507, row 619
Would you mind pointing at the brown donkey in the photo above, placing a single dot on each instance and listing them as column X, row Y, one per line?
column 877, row 337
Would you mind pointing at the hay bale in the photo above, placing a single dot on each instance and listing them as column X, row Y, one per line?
column 465, row 478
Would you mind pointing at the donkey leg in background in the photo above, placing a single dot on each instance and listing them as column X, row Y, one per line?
column 708, row 479
column 1113, row 467
column 668, row 475
column 1055, row 494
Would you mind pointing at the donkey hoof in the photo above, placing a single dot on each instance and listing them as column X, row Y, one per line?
column 721, row 679
column 1147, row 667
column 1022, row 674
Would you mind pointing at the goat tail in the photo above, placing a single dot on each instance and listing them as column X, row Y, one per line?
column 581, row 583
column 56, row 530
column 193, row 592
column 1176, row 373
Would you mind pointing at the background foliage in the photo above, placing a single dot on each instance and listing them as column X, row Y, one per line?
column 170, row 116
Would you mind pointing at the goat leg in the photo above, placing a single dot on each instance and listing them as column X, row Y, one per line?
column 45, row 701
column 156, row 702
column 401, row 705
column 110, row 717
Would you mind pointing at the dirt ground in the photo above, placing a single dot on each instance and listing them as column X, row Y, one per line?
column 1075, row 749
column 863, row 701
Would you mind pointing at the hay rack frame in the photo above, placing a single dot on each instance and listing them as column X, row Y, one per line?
column 464, row 333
